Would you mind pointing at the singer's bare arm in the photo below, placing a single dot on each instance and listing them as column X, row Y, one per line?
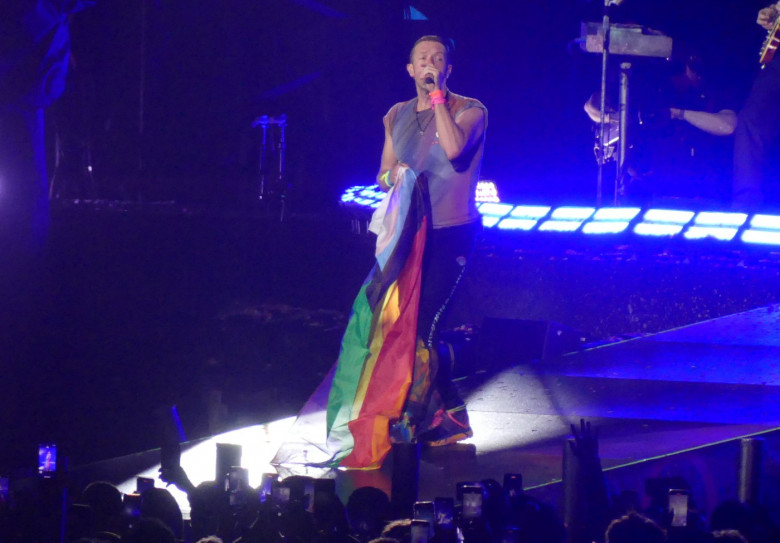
column 458, row 136
column 455, row 136
column 388, row 159
column 389, row 162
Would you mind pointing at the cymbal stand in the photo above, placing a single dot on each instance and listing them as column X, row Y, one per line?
column 603, row 144
column 272, row 183
column 620, row 188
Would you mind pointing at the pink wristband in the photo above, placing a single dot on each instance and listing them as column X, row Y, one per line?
column 437, row 97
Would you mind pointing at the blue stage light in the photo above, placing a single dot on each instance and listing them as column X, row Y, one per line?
column 530, row 212
column 713, row 218
column 655, row 229
column 717, row 232
column 517, row 224
column 690, row 225
column 668, row 216
column 766, row 237
column 616, row 213
column 605, row 227
column 560, row 226
column 495, row 210
column 573, row 213
column 765, row 222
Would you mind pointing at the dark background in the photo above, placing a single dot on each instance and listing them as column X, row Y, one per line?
column 206, row 69
column 164, row 290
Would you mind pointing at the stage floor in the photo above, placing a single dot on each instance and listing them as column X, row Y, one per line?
column 692, row 391
column 143, row 309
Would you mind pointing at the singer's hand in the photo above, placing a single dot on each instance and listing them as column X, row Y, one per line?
column 767, row 17
column 433, row 76
column 396, row 171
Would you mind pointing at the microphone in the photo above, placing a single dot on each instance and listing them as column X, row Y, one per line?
column 429, row 80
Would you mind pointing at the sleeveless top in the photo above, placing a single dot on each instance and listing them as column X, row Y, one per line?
column 451, row 185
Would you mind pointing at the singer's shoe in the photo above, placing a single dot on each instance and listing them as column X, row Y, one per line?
column 449, row 426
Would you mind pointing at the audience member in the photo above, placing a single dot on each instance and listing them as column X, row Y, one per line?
column 635, row 528
column 305, row 510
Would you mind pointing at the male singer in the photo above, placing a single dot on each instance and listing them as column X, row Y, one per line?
column 440, row 135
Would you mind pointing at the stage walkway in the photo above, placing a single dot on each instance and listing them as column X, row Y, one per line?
column 674, row 403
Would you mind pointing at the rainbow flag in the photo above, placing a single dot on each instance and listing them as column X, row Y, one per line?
column 375, row 365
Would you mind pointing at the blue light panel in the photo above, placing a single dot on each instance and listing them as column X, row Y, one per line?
column 488, row 221
column 766, row 222
column 668, row 216
column 573, row 213
column 653, row 229
column 517, row 224
column 560, row 226
column 605, row 227
column 495, row 210
column 765, row 237
column 725, row 226
column 710, row 218
column 721, row 233
column 616, row 213
column 530, row 212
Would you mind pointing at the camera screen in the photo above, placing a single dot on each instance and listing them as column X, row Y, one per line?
column 444, row 508
column 281, row 495
column 170, row 455
column 472, row 503
column 267, row 485
column 678, row 507
column 237, row 479
column 421, row 530
column 47, row 460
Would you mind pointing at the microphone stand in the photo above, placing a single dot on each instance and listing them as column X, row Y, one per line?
column 606, row 29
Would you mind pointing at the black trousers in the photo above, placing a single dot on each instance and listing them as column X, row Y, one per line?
column 447, row 252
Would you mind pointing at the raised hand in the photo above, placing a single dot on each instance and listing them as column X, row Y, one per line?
column 768, row 16
column 586, row 440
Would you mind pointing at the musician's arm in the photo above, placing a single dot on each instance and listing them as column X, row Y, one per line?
column 768, row 15
column 593, row 108
column 721, row 123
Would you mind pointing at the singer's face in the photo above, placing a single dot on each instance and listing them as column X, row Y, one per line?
column 425, row 56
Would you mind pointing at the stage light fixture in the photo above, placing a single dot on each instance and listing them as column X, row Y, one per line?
column 765, row 222
column 530, row 212
column 560, row 226
column 495, row 210
column 622, row 214
column 487, row 191
column 690, row 225
column 605, row 227
column 668, row 216
column 764, row 237
column 655, row 229
column 510, row 223
column 716, row 232
column 714, row 218
column 570, row 213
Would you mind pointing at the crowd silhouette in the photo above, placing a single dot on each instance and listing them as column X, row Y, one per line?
column 301, row 509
